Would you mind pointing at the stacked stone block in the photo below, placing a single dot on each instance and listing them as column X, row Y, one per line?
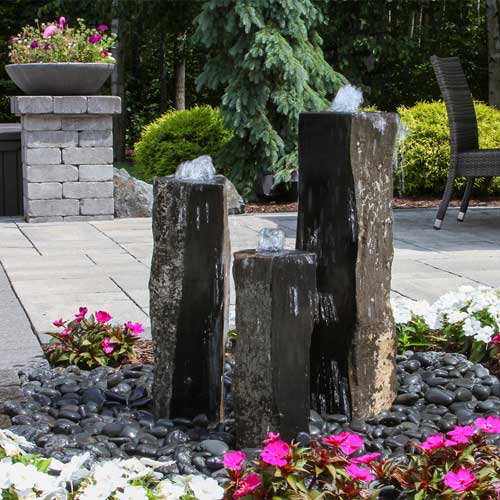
column 67, row 154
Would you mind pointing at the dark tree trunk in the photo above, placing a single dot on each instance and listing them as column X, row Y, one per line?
column 118, row 88
column 180, row 75
column 493, row 53
column 163, row 76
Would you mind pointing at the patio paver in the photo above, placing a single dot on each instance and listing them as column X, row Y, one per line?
column 54, row 268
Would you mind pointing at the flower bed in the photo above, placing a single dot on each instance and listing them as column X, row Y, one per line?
column 459, row 465
column 467, row 320
column 26, row 476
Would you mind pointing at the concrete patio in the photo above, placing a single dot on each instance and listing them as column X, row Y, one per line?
column 54, row 268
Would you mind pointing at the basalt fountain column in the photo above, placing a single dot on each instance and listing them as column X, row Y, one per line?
column 188, row 291
column 275, row 307
column 345, row 218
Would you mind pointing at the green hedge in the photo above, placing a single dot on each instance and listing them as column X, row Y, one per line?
column 178, row 136
column 424, row 155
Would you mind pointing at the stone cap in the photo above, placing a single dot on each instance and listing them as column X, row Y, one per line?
column 66, row 105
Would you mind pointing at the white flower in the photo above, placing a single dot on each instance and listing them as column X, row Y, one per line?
column 5, row 481
column 132, row 493
column 170, row 491
column 455, row 316
column 485, row 334
column 23, row 477
column 471, row 326
column 73, row 469
column 44, row 482
column 206, row 488
column 109, row 473
column 59, row 494
column 98, row 491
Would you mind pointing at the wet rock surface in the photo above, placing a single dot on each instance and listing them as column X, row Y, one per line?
column 109, row 413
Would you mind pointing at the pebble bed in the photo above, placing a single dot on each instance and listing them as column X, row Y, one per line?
column 108, row 412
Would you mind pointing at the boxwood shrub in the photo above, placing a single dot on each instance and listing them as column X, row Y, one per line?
column 178, row 136
column 424, row 155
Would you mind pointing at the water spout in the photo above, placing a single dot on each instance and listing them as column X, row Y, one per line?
column 271, row 240
column 347, row 100
column 200, row 169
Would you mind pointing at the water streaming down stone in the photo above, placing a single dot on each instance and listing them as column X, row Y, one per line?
column 189, row 291
column 345, row 192
column 275, row 308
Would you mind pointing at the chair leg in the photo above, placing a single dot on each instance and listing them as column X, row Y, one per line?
column 465, row 200
column 445, row 201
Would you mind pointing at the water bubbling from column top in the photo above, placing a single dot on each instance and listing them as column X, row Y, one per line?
column 271, row 240
column 200, row 169
column 347, row 100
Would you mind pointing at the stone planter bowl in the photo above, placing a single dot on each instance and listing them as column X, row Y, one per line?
column 59, row 78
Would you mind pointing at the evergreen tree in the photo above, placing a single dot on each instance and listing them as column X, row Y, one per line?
column 266, row 56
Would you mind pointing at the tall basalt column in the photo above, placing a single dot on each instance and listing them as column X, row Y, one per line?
column 345, row 194
column 188, row 296
column 275, row 307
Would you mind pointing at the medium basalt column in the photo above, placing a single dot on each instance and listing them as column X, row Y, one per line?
column 275, row 307
column 345, row 194
column 188, row 296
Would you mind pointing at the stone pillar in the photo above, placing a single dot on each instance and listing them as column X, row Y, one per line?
column 67, row 154
column 275, row 307
column 345, row 195
column 188, row 284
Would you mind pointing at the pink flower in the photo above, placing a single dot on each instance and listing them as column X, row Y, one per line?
column 489, row 424
column 34, row 44
column 95, row 38
column 49, row 31
column 102, row 27
column 62, row 22
column 276, row 453
column 246, row 486
column 462, row 480
column 102, row 316
column 59, row 323
column 47, row 47
column 107, row 346
column 65, row 332
column 233, row 460
column 365, row 459
column 433, row 442
column 461, row 434
column 495, row 340
column 347, row 442
column 360, row 474
column 81, row 315
column 271, row 437
column 135, row 328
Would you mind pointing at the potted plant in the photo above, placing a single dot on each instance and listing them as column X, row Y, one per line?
column 54, row 59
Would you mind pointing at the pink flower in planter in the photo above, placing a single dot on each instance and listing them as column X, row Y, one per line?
column 233, row 460
column 135, row 328
column 360, row 474
column 49, row 31
column 495, row 340
column 365, row 459
column 489, row 424
column 247, row 485
column 271, row 437
column 102, row 316
column 347, row 442
column 65, row 332
column 59, row 323
column 434, row 442
column 462, row 480
column 47, row 47
column 34, row 44
column 107, row 346
column 102, row 27
column 276, row 453
column 95, row 38
column 81, row 315
column 461, row 434
column 62, row 22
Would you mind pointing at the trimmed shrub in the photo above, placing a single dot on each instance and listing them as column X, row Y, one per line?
column 179, row 136
column 424, row 155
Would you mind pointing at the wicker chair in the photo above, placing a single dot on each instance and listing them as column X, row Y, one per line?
column 466, row 160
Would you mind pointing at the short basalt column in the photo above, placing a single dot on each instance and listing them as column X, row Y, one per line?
column 275, row 307
column 345, row 193
column 188, row 296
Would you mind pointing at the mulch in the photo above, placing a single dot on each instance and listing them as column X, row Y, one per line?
column 416, row 202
